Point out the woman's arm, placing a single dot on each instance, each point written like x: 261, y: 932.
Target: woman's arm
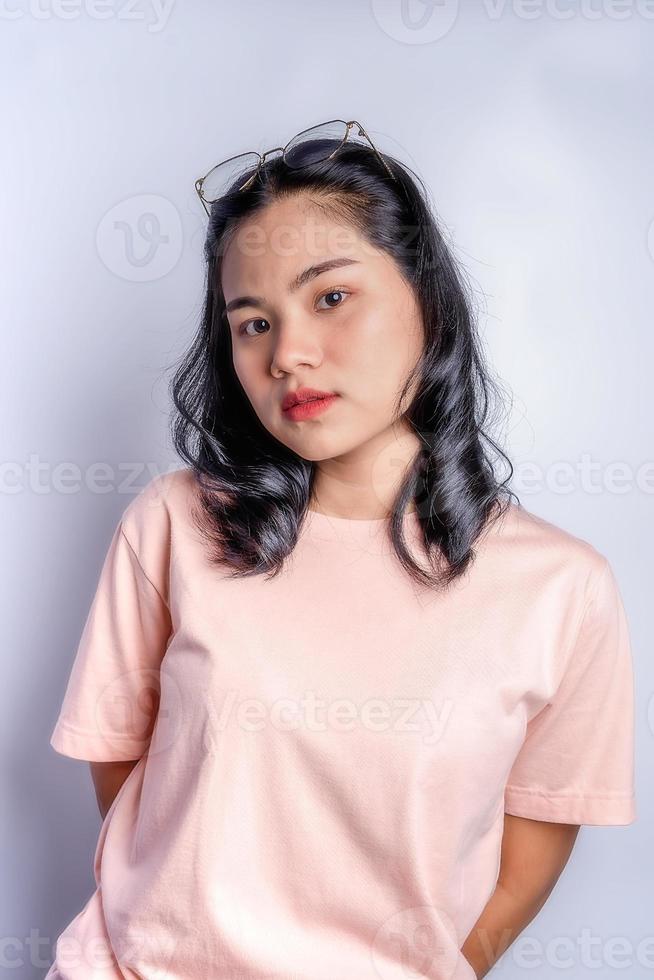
x: 534, y: 853
x: 108, y: 777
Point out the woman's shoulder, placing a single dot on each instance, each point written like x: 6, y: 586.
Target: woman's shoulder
x: 161, y: 495
x: 156, y: 515
x: 161, y: 498
x: 529, y: 543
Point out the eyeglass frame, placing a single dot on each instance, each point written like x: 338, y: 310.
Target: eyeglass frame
x: 353, y: 122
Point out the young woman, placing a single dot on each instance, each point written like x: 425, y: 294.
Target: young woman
x: 345, y: 700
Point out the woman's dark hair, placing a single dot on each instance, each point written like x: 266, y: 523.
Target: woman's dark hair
x: 254, y: 491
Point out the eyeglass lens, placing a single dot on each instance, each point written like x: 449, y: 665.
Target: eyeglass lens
x: 309, y: 146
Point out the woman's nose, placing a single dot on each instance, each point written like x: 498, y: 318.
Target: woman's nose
x: 295, y: 344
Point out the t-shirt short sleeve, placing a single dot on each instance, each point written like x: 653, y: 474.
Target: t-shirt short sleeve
x: 110, y: 704
x: 576, y: 764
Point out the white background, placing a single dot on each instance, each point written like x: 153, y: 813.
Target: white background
x: 531, y: 123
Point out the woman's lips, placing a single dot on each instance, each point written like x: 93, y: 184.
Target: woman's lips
x: 307, y: 410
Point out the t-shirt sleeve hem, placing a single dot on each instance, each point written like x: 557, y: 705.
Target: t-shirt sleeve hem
x: 91, y: 747
x: 596, y: 810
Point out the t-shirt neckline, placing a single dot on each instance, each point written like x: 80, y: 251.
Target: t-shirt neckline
x: 354, y: 525
x: 356, y: 520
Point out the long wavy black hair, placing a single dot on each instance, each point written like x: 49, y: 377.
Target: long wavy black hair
x: 253, y: 490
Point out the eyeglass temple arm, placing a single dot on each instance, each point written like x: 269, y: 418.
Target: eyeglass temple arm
x: 198, y: 190
x: 362, y: 132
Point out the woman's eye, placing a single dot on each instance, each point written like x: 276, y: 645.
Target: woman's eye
x: 331, y: 294
x: 250, y: 323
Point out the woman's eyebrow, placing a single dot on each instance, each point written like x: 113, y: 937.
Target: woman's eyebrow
x: 300, y: 280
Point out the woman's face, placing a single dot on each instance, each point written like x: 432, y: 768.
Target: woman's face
x: 353, y: 329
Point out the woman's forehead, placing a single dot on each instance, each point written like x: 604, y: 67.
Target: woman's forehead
x: 293, y: 237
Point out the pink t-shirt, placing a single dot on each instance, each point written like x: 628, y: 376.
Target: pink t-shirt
x: 326, y: 757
